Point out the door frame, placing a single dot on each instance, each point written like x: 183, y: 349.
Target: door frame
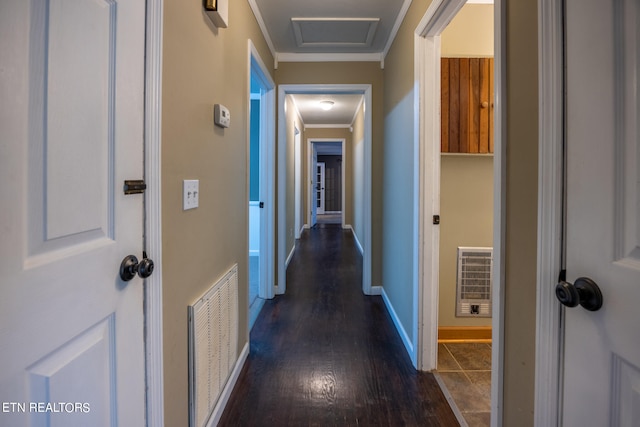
x: 257, y: 68
x: 312, y: 154
x: 154, y: 371
x: 297, y: 182
x: 283, y: 91
x: 549, y: 350
x: 427, y: 189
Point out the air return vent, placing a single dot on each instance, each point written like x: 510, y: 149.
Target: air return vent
x: 473, y: 298
x: 213, y: 343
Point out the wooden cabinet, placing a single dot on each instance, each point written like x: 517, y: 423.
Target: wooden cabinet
x: 467, y: 105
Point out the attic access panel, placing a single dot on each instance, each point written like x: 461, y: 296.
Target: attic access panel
x: 338, y: 32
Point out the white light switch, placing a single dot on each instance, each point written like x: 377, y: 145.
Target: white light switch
x: 190, y: 193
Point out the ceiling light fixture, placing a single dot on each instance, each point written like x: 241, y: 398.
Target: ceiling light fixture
x: 326, y: 105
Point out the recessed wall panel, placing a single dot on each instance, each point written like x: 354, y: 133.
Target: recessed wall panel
x: 78, y: 116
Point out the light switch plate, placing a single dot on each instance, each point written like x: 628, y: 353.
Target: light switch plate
x: 190, y: 194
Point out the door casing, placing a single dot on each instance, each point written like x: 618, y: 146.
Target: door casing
x: 309, y: 177
x: 258, y: 70
x: 548, y: 369
x: 153, y: 208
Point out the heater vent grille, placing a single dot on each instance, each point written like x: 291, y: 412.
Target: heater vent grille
x: 474, y: 282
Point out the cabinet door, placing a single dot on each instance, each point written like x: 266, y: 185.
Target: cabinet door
x: 467, y: 105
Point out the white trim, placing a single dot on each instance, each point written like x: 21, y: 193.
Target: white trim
x: 256, y: 66
x: 217, y: 412
x: 548, y: 368
x: 263, y: 27
x: 309, y: 177
x: 406, y: 339
x: 154, y: 371
x: 355, y: 237
x: 293, y: 249
x: 329, y: 57
x: 396, y: 26
x: 327, y: 126
x: 283, y: 90
x: 298, y: 162
x: 438, y: 16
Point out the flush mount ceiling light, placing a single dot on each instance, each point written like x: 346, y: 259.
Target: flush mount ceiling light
x: 326, y: 105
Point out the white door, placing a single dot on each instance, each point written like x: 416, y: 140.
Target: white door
x: 71, y: 131
x: 319, y: 189
x: 602, y: 348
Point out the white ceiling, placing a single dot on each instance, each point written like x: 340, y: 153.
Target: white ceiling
x: 341, y: 115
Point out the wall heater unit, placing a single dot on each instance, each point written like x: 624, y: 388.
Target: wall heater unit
x: 473, y: 296
x: 213, y: 343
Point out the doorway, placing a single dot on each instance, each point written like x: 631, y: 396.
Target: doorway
x: 327, y: 203
x: 428, y: 59
x: 260, y: 185
x: 362, y: 188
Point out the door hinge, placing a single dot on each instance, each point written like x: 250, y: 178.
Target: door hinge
x: 134, y: 186
x: 436, y: 219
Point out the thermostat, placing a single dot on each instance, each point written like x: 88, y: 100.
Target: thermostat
x: 221, y: 116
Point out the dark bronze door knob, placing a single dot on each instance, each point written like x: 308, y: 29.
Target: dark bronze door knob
x: 584, y: 292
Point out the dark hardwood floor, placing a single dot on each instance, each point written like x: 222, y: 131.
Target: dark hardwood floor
x: 324, y: 354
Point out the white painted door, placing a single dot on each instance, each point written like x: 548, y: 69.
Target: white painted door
x: 71, y: 131
x: 319, y: 189
x: 602, y: 348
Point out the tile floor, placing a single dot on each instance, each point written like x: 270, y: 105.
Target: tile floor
x: 465, y: 369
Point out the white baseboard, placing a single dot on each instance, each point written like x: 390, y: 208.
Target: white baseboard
x: 355, y: 236
x: 376, y: 290
x: 406, y: 340
x: 286, y: 263
x: 228, y: 388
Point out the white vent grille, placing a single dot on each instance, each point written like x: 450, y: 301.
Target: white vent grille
x: 474, y: 282
x: 213, y: 343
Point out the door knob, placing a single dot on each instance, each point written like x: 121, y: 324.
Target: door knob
x: 130, y: 266
x: 584, y: 292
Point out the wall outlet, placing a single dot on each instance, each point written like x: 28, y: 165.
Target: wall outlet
x: 190, y: 194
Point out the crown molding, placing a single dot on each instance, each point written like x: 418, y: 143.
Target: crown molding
x: 328, y: 57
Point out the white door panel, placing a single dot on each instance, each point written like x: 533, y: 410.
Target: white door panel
x: 602, y: 348
x: 71, y: 125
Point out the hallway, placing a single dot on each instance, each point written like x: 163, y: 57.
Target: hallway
x: 324, y: 354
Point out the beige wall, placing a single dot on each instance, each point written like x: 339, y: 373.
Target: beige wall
x: 470, y: 33
x: 351, y: 73
x: 466, y: 212
x: 202, y: 65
